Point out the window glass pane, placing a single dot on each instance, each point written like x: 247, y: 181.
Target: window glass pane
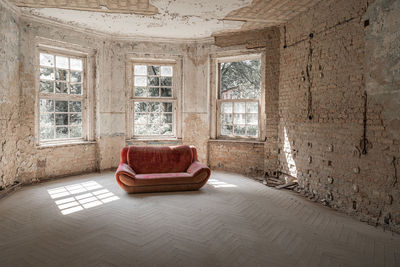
x: 154, y: 81
x: 154, y: 92
x: 75, y: 119
x: 46, y: 120
x: 154, y: 107
x: 166, y: 107
x: 75, y: 131
x: 252, y: 107
x: 153, y: 70
x: 166, y: 71
x: 62, y: 119
x: 47, y: 73
x: 252, y: 119
x: 46, y: 60
x: 75, y: 106
x: 140, y: 81
x: 140, y: 118
x: 239, y: 130
x: 61, y: 132
x: 166, y: 81
x: 252, y: 130
x: 46, y: 133
x: 140, y: 70
x: 166, y: 129
x: 153, y: 129
x: 76, y: 76
x: 167, y: 118
x: 226, y: 107
x: 239, y: 107
x: 155, y: 118
x: 46, y: 86
x: 62, y: 75
x: 62, y: 62
x: 61, y: 106
x: 76, y: 89
x: 140, y: 106
x: 239, y: 119
x: 140, y: 91
x: 166, y: 92
x: 76, y: 64
x: 61, y: 87
x: 240, y: 79
x: 226, y: 119
x: 46, y: 105
x: 226, y: 129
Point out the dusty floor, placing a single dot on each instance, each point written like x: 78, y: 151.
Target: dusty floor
x: 232, y: 221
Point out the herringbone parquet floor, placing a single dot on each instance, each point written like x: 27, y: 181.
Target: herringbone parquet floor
x: 232, y: 221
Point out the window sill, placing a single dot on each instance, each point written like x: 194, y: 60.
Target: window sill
x: 64, y: 144
x: 154, y: 140
x: 236, y: 141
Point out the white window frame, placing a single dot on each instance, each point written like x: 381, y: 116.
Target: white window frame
x: 175, y: 61
x: 87, y: 55
x: 215, y: 96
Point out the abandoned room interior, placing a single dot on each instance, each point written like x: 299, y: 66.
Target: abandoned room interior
x: 200, y: 133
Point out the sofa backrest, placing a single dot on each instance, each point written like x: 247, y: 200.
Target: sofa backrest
x: 148, y: 159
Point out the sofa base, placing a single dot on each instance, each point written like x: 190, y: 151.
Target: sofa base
x: 161, y: 187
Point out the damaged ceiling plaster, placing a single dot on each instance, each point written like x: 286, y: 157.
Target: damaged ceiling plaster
x: 186, y: 19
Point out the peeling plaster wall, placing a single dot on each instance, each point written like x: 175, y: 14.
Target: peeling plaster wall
x: 110, y: 103
x: 45, y: 162
x: 110, y: 108
x: 383, y: 60
x: 325, y: 77
x: 9, y: 94
x: 113, y: 99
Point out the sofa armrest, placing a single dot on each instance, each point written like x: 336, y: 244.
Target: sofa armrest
x: 196, y: 167
x: 124, y: 168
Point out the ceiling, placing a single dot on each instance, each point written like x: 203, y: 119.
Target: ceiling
x: 186, y: 19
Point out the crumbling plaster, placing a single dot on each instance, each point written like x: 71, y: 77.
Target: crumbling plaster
x: 176, y: 19
x: 9, y: 94
x: 37, y: 163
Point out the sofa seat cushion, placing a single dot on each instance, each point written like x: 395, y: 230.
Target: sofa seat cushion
x: 144, y: 160
x: 161, y: 179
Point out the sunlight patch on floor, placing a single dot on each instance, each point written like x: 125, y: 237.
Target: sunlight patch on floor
x: 93, y: 195
x: 217, y: 184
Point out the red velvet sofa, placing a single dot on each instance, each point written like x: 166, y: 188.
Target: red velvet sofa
x: 157, y: 169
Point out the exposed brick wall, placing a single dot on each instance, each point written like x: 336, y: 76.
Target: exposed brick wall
x: 324, y: 77
x: 238, y: 157
x: 272, y: 53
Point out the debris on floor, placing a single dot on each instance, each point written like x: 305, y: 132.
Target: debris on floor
x: 285, y: 181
